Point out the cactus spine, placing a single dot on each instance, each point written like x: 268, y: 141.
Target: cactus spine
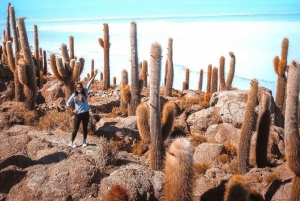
x: 237, y: 189
x: 169, y: 69
x: 187, y: 78
x: 231, y: 71
x: 157, y: 150
x: 104, y: 43
x: 30, y: 89
x: 178, y: 185
x: 247, y: 128
x: 291, y: 132
x: 200, y: 81
x: 135, y: 92
x: 214, y: 80
x: 208, y: 85
x: 263, y: 128
x: 144, y: 73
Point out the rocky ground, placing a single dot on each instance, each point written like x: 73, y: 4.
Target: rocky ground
x: 37, y: 164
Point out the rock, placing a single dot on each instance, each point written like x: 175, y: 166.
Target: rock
x: 51, y: 91
x: 202, y: 119
x: 140, y: 181
x: 219, y: 99
x: 208, y: 153
x: 232, y: 112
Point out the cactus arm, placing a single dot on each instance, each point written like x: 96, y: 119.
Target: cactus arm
x: 54, y: 67
x: 169, y: 69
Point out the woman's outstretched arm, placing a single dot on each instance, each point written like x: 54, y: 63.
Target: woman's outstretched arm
x: 91, y: 80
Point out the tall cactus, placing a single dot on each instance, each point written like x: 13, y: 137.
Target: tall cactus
x: 28, y: 70
x: 231, y: 71
x: 214, y: 80
x: 291, y: 130
x: 167, y: 121
x: 237, y: 189
x: 142, y: 118
x: 200, y: 81
x: 45, y: 69
x: 36, y: 55
x: 187, y: 78
x: 263, y: 128
x: 124, y: 82
x: 247, y: 128
x: 178, y: 180
x: 208, y: 82
x: 157, y: 150
x: 222, y: 73
x: 8, y: 24
x: 135, y: 92
x: 170, y: 69
x: 280, y: 66
x: 14, y: 29
x: 104, y: 43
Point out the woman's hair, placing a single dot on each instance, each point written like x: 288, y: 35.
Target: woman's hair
x: 83, y: 95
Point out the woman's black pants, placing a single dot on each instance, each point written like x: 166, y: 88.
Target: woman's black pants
x: 84, y: 118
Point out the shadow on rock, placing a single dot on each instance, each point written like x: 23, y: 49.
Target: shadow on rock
x: 22, y: 161
x: 9, y: 178
x: 274, y: 187
x: 215, y: 194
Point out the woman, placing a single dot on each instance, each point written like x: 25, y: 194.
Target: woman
x: 81, y: 110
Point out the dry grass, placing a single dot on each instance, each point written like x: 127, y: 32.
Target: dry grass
x: 107, y: 155
x: 204, y: 105
x: 224, y: 158
x: 18, y: 114
x: 54, y: 119
x: 197, y: 139
x: 255, y: 194
x: 271, y: 177
x: 117, y: 193
x: 230, y: 149
x: 193, y: 100
x: 139, y: 148
x: 201, y: 168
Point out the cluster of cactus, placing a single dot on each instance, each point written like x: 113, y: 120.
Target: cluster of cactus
x: 280, y: 67
x: 66, y: 70
x: 104, y: 43
x: 247, y: 127
x: 228, y: 84
x: 291, y: 130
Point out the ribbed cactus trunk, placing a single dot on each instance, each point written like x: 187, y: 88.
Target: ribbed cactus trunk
x: 135, y: 92
x: 187, y: 78
x: 30, y: 89
x: 291, y: 130
x: 200, y: 83
x: 104, y: 43
x: 8, y: 25
x: 144, y: 73
x: 170, y: 69
x: 124, y: 82
x: 263, y: 129
x: 247, y: 128
x: 45, y: 63
x: 157, y: 147
x: 37, y: 55
x: 208, y: 82
x: 92, y: 69
x: 166, y: 72
x: 71, y: 44
x: 101, y: 76
x: 231, y: 71
x: 19, y: 94
x: 222, y: 73
x: 280, y: 66
x: 214, y: 80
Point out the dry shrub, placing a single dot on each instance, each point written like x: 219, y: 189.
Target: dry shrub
x: 107, y: 155
x: 182, y: 98
x: 18, y: 114
x: 204, y: 102
x: 201, y: 168
x: 147, y: 94
x: 271, y: 177
x: 233, y: 167
x: 139, y: 148
x: 117, y: 193
x: 184, y: 105
x: 224, y: 158
x: 54, y: 119
x: 193, y: 100
x: 230, y: 149
x: 197, y: 139
x: 174, y: 93
x: 204, y: 105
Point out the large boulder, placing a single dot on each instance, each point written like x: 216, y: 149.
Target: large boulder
x: 141, y: 182
x: 208, y: 153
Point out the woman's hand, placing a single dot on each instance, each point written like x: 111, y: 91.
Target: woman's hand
x: 75, y: 111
